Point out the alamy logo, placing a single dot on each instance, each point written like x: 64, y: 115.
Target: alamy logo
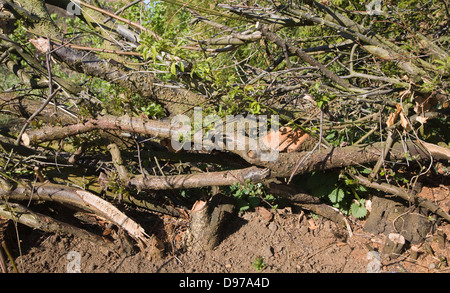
x: 74, y: 265
x: 375, y: 265
x: 74, y: 7
x: 374, y: 7
x: 235, y: 133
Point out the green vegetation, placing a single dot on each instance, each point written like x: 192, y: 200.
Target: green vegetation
x: 335, y: 69
x: 259, y: 264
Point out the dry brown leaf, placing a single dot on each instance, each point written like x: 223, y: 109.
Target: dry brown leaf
x: 421, y: 119
x: 393, y: 116
x: 41, y: 44
x: 403, y: 121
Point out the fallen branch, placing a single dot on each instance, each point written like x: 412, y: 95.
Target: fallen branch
x: 222, y: 178
x: 25, y: 216
x: 125, y: 123
x: 84, y: 200
x: 337, y: 158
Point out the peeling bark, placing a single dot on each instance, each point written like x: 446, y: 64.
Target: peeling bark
x: 84, y: 200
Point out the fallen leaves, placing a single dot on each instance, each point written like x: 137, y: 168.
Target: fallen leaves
x: 394, y: 116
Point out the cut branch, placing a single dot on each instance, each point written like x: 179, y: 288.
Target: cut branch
x: 337, y: 158
x: 223, y: 178
x: 45, y: 223
x: 84, y: 200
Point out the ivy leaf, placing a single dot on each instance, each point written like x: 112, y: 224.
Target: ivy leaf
x: 358, y: 209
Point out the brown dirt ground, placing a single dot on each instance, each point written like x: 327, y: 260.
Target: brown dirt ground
x: 290, y: 242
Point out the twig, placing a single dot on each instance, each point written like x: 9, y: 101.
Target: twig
x: 384, y: 153
x: 127, y: 21
x: 11, y: 259
x: 303, y: 159
x: 122, y: 9
x: 51, y: 95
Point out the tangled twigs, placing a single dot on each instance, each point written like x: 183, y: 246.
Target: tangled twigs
x: 305, y: 57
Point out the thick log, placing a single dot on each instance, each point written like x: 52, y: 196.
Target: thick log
x: 338, y: 158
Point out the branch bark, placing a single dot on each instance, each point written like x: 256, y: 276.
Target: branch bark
x: 336, y: 158
x: 125, y: 123
x: 223, y: 178
x: 45, y: 223
x: 84, y: 200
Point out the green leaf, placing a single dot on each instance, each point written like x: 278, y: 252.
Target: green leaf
x: 154, y: 53
x: 322, y: 184
x: 337, y: 195
x: 358, y: 209
x: 254, y: 201
x: 242, y: 204
x: 361, y: 188
x: 173, y: 68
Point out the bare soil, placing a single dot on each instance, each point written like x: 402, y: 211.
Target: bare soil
x: 291, y: 241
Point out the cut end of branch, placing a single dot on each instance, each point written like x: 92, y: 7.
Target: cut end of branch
x: 26, y: 139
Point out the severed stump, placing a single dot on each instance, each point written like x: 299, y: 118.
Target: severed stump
x: 206, y: 223
x: 393, y: 245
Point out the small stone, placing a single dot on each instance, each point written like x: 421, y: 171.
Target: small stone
x: 273, y: 227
